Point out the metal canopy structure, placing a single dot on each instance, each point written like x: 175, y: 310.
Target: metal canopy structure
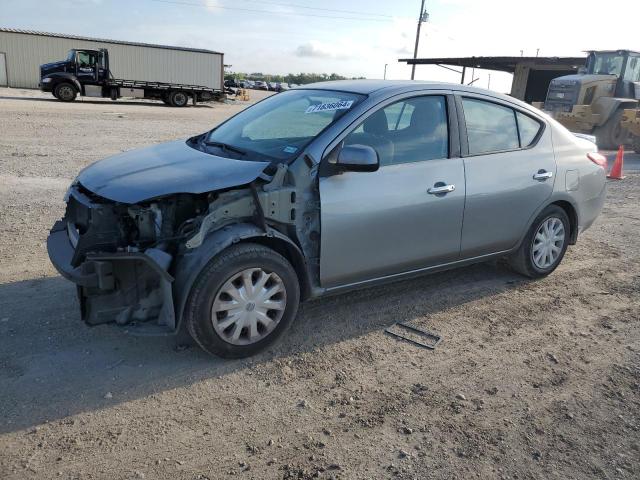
x: 502, y: 64
x: 531, y: 75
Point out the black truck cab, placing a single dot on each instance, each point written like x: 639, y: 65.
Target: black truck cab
x: 80, y: 68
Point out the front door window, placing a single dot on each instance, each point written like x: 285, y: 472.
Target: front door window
x: 411, y: 130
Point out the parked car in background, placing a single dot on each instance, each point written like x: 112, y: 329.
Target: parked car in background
x: 272, y: 86
x: 261, y: 85
x: 231, y: 84
x: 246, y: 83
x: 280, y: 87
x: 319, y: 190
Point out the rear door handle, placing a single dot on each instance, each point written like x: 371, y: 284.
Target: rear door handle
x: 441, y: 189
x: 542, y: 175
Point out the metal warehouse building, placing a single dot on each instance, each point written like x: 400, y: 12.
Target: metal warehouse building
x: 23, y: 51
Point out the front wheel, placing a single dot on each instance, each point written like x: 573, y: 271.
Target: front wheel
x: 544, y: 246
x: 611, y: 135
x: 65, y: 92
x: 242, y: 301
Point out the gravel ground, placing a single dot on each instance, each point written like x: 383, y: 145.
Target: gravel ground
x: 534, y: 379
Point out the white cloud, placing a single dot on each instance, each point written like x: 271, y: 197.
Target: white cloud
x: 212, y: 5
x: 316, y: 49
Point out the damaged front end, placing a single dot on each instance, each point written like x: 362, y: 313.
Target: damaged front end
x: 140, y: 226
x: 119, y: 255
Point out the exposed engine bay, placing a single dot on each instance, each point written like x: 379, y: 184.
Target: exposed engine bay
x: 125, y: 258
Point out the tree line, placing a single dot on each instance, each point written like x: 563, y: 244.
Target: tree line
x: 299, y: 78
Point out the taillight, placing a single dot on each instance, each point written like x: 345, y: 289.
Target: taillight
x: 598, y: 159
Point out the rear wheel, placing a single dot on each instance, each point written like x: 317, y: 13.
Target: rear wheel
x: 242, y: 301
x: 65, y: 92
x: 178, y: 99
x: 544, y: 246
x: 611, y: 135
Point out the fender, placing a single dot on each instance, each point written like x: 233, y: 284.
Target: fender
x: 554, y: 198
x: 607, y: 106
x: 58, y: 77
x: 191, y: 263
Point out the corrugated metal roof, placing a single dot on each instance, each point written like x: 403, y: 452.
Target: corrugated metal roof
x: 505, y: 64
x: 104, y: 40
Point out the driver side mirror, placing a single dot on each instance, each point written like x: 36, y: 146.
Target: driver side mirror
x: 358, y: 158
x: 582, y: 71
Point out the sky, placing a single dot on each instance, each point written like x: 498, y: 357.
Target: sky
x: 348, y: 37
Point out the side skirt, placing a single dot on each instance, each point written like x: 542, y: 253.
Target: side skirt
x: 411, y: 274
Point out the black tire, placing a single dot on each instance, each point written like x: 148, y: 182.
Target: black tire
x: 65, y: 92
x: 522, y: 261
x: 611, y: 135
x: 178, y: 99
x: 211, y: 279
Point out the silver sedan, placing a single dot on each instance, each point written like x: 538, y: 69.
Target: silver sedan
x: 319, y: 190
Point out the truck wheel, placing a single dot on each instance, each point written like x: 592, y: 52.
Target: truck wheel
x: 242, y: 301
x: 178, y: 99
x: 611, y: 135
x: 65, y: 92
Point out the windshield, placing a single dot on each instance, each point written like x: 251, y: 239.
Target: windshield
x: 606, y: 64
x: 279, y: 127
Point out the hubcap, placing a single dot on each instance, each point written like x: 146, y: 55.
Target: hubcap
x: 248, y: 306
x: 180, y: 98
x: 547, y: 243
x: 65, y: 92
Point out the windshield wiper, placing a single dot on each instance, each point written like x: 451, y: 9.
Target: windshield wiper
x: 225, y: 147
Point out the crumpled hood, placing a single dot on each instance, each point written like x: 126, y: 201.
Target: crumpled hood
x: 165, y: 169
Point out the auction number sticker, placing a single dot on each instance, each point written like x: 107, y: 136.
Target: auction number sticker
x: 328, y: 107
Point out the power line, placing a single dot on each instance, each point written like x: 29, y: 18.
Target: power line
x: 268, y: 12
x: 297, y: 5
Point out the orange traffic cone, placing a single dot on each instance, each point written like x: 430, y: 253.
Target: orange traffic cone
x: 616, y: 171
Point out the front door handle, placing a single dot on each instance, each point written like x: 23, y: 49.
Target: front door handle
x: 441, y: 188
x: 542, y: 175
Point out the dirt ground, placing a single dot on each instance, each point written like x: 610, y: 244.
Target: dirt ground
x: 534, y: 379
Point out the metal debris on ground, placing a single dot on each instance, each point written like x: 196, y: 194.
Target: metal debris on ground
x: 408, y: 332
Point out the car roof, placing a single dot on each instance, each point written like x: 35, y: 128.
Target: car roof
x: 367, y: 87
x: 394, y: 87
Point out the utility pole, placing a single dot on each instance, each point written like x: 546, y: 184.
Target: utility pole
x: 423, y: 17
x: 385, y: 71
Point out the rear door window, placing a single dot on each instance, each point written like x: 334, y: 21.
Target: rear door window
x: 528, y: 128
x: 490, y: 127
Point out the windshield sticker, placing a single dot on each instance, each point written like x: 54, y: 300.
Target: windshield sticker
x: 328, y: 107
x: 289, y: 149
